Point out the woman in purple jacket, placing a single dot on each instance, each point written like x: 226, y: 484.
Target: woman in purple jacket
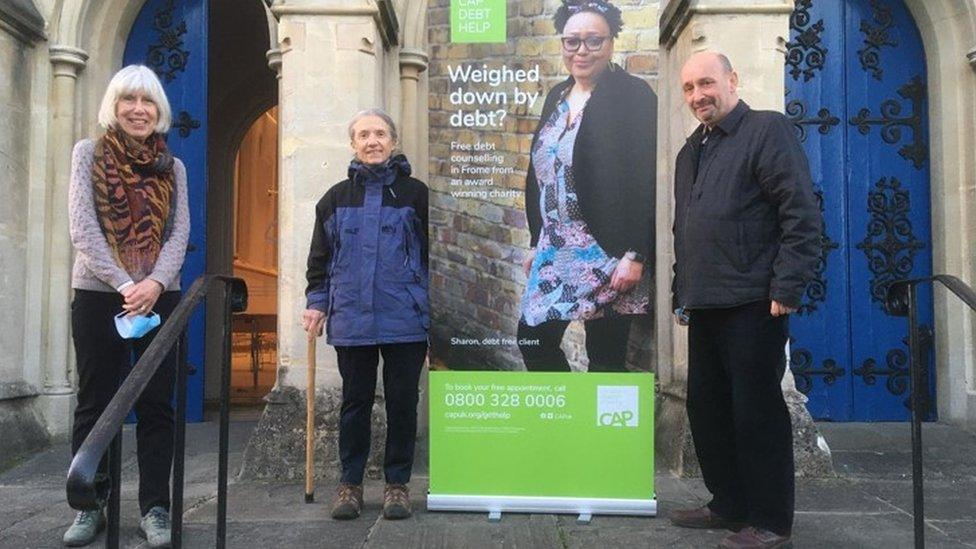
x: 367, y: 284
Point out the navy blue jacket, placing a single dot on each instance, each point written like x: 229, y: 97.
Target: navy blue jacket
x: 367, y: 266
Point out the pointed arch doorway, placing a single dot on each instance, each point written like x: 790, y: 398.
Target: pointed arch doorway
x: 256, y: 260
x: 857, y: 93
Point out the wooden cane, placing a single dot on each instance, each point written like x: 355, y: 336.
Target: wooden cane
x: 310, y: 421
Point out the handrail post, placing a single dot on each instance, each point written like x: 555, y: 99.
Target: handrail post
x: 115, y: 471
x: 114, y: 494
x: 179, y: 443
x: 224, y: 420
x: 918, y: 386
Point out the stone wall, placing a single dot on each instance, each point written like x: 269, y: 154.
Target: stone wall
x: 14, y: 183
x: 22, y: 429
x: 478, y: 243
x: 752, y: 33
x: 335, y: 62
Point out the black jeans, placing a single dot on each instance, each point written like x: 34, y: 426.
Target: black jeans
x: 402, y: 364
x: 103, y: 361
x: 606, y: 345
x: 739, y: 420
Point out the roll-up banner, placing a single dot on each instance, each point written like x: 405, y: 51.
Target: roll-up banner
x: 542, y: 169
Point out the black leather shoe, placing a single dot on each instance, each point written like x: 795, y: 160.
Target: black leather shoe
x: 755, y: 538
x: 704, y: 518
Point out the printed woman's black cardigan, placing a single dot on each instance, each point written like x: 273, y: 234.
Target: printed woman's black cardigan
x: 614, y: 163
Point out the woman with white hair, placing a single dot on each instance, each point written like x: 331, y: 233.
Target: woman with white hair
x: 367, y: 284
x: 129, y: 223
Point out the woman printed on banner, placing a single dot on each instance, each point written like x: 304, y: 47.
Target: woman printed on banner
x: 589, y: 199
x: 129, y: 222
x: 367, y: 284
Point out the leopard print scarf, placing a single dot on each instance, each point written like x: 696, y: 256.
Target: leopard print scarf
x: 133, y: 189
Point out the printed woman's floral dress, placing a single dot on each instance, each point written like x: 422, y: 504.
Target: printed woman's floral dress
x: 570, y: 275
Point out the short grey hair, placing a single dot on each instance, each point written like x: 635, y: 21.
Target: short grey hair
x: 379, y: 113
x: 726, y: 64
x: 135, y: 79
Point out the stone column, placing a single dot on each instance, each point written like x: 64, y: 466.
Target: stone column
x: 753, y: 34
x: 412, y: 63
x: 274, y: 63
x: 57, y: 393
x: 329, y: 70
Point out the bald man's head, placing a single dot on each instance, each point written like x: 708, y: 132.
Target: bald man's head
x: 709, y: 84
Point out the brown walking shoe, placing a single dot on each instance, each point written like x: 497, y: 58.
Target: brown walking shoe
x: 348, y: 502
x: 755, y: 538
x: 396, y: 502
x: 703, y: 517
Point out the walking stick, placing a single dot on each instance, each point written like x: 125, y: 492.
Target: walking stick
x: 310, y: 421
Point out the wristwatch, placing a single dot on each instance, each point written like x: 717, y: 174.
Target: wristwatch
x: 634, y: 256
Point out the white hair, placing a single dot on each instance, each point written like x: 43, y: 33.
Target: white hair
x: 379, y: 113
x: 135, y: 79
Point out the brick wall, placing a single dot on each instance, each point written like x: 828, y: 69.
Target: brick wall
x: 477, y: 243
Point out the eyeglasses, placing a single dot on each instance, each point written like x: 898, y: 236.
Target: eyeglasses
x: 571, y: 44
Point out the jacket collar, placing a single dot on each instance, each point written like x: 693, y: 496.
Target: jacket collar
x: 726, y: 126
x: 397, y: 166
x: 732, y: 119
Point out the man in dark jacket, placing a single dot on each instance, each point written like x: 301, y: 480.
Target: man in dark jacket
x: 746, y: 236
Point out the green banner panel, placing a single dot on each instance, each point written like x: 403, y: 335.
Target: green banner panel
x: 478, y: 21
x: 541, y: 434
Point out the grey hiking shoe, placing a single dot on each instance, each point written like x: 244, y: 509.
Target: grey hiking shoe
x: 155, y: 527
x: 396, y: 502
x: 85, y: 528
x: 348, y: 502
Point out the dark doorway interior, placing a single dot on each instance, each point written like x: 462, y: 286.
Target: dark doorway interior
x: 243, y: 92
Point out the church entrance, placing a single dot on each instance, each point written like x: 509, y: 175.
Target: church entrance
x: 211, y: 58
x: 857, y: 94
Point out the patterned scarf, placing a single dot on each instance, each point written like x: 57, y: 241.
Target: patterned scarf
x: 133, y: 188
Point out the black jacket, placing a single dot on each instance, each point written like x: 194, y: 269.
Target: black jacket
x: 747, y: 224
x: 614, y: 163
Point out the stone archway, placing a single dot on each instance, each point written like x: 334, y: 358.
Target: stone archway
x: 241, y: 88
x: 87, y: 42
x: 947, y: 30
x: 86, y: 46
x: 413, y: 79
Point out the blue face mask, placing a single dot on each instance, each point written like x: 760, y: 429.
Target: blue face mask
x: 134, y: 327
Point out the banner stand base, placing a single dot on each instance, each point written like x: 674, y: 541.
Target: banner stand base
x: 584, y: 507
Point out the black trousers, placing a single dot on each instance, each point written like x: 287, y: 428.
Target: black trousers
x: 739, y: 420
x: 103, y: 362
x: 402, y: 364
x: 606, y: 345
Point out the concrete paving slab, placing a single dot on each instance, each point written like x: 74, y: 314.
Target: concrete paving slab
x: 884, y: 451
x: 837, y: 496
x: 634, y: 532
x: 961, y: 531
x: 450, y: 530
x: 944, y: 500
x: 272, y: 534
x: 845, y: 530
x: 867, y: 505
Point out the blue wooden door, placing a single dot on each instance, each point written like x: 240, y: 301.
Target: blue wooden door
x: 170, y: 37
x: 856, y: 92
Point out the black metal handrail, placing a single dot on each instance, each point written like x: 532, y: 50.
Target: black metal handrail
x: 82, y: 493
x: 902, y: 300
